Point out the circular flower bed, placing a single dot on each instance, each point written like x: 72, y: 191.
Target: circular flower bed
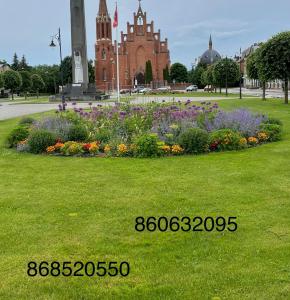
x: 144, y: 131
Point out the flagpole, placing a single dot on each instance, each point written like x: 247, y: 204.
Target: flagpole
x: 118, y: 67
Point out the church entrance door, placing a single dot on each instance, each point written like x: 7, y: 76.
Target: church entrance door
x: 140, y: 78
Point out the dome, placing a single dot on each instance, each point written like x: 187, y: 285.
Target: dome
x: 210, y: 56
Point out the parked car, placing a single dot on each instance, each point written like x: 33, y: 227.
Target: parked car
x: 209, y: 88
x: 125, y: 91
x: 145, y: 91
x: 138, y: 89
x: 164, y: 89
x: 192, y: 88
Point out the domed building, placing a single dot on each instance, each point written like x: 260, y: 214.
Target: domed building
x: 210, y: 56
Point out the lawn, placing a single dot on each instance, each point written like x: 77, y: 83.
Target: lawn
x: 77, y: 209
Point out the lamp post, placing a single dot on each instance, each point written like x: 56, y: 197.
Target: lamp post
x: 57, y: 37
x: 227, y: 70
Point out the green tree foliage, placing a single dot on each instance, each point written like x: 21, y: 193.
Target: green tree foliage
x: 50, y: 76
x: 26, y: 82
x: 196, y: 74
x: 226, y: 72
x: 1, y: 81
x: 207, y: 77
x: 166, y: 74
x: 91, y: 69
x: 148, y: 72
x: 274, y: 60
x: 66, y: 68
x: 23, y: 66
x: 253, y: 70
x: 37, y: 83
x: 15, y: 63
x: 12, y: 81
x: 178, y: 73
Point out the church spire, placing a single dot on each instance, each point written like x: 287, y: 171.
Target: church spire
x: 103, y: 9
x: 140, y: 8
x: 210, y: 43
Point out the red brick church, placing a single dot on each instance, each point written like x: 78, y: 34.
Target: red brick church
x: 139, y: 45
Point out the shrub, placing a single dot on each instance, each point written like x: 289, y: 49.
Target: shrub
x: 72, y: 148
x: 273, y: 121
x: 78, y: 133
x: 40, y: 140
x: 225, y: 140
x: 147, y: 146
x: 26, y: 121
x: 57, y: 125
x: 17, y: 135
x: 194, y: 141
x: 274, y: 131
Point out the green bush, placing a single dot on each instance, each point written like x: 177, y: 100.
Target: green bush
x: 26, y: 121
x: 17, y: 135
x: 78, y: 133
x: 39, y: 140
x: 102, y: 136
x: 226, y: 140
x: 274, y: 131
x: 147, y: 146
x: 194, y: 141
x: 274, y: 121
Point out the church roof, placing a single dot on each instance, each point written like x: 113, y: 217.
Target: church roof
x: 103, y: 9
x: 210, y: 56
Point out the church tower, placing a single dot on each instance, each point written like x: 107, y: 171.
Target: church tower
x: 104, y: 48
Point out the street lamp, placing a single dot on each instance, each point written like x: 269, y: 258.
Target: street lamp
x: 57, y: 38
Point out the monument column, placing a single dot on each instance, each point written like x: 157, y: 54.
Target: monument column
x: 79, y: 43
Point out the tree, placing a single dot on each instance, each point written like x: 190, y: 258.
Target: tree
x: 37, y: 83
x: 253, y: 70
x: 12, y: 81
x: 15, y: 63
x: 274, y: 60
x: 148, y: 72
x: 178, y: 73
x: 1, y: 81
x: 26, y: 82
x: 207, y: 77
x: 166, y: 74
x: 91, y: 71
x: 23, y: 66
x: 66, y: 68
x: 195, y: 75
x: 226, y: 71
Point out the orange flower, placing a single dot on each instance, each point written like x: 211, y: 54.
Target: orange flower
x: 58, y: 146
x: 107, y: 149
x: 122, y: 149
x: 50, y: 149
x: 176, y: 149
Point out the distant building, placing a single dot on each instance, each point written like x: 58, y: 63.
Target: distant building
x: 253, y: 83
x: 210, y: 56
x: 137, y: 46
x: 4, y: 67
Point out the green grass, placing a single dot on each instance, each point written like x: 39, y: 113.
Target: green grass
x: 55, y: 208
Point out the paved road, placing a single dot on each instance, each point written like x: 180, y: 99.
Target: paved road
x: 8, y: 110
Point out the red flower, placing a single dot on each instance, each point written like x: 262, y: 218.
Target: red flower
x: 86, y: 147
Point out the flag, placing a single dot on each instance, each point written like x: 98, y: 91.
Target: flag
x: 116, y: 19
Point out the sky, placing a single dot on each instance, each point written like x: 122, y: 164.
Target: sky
x: 26, y: 26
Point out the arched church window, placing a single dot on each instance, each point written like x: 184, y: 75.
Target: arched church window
x: 149, y: 29
x: 156, y: 37
x: 104, y: 75
x: 104, y: 54
x: 140, y: 21
x: 132, y: 29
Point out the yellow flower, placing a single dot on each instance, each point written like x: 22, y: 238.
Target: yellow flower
x: 50, y: 149
x: 122, y: 149
x: 107, y: 148
x: 252, y: 140
x: 24, y: 142
x: 166, y: 149
x: 263, y: 136
x: 94, y: 148
x: 176, y: 149
x: 243, y: 141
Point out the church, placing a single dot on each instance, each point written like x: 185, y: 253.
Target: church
x: 137, y: 46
